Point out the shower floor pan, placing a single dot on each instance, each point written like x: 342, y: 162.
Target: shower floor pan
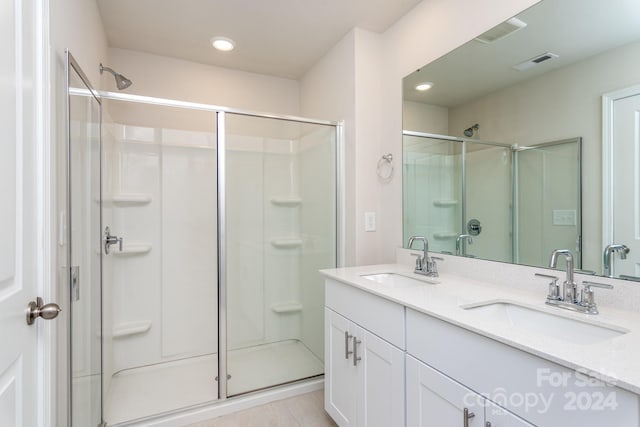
x: 151, y: 390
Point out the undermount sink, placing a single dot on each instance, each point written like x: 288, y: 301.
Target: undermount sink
x: 394, y: 280
x: 544, y: 323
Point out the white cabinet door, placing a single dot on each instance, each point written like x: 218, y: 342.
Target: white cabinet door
x: 381, y: 400
x: 341, y: 377
x: 495, y: 416
x: 20, y: 196
x: 436, y: 400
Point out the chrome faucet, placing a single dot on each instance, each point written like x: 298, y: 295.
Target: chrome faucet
x: 425, y: 264
x: 567, y: 297
x: 569, y: 287
x: 609, y: 250
x: 460, y: 248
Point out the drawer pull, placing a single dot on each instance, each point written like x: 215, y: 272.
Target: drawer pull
x: 467, y: 416
x: 347, y: 337
x: 356, y: 358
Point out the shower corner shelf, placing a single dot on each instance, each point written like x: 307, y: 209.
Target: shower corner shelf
x: 287, y: 307
x: 131, y: 328
x: 133, y: 249
x: 131, y: 198
x: 288, y: 201
x: 286, y: 243
x: 444, y: 203
x: 446, y: 235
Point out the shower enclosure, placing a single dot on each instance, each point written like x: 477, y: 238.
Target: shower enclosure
x: 516, y: 203
x: 221, y: 220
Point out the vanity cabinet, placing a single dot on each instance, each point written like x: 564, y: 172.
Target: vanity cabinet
x: 434, y: 399
x: 535, y: 389
x: 364, y: 373
x: 379, y: 353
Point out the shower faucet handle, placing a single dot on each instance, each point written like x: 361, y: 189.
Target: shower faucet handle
x: 111, y: 240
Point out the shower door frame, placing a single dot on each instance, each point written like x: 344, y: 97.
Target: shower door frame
x: 220, y: 113
x: 71, y: 65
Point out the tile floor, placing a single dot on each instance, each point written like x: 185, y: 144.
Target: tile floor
x: 306, y: 410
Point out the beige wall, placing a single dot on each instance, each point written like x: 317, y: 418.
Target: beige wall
x: 328, y: 90
x: 171, y: 78
x: 426, y: 118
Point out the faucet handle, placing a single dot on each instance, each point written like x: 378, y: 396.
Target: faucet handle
x: 419, y: 261
x: 586, y: 297
x: 554, y: 288
x: 589, y: 285
x: 437, y: 258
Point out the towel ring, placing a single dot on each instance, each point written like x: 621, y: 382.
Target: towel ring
x: 384, y: 168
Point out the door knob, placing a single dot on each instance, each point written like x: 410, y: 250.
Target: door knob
x: 37, y: 309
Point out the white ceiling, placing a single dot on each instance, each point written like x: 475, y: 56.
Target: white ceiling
x: 276, y: 37
x: 573, y: 29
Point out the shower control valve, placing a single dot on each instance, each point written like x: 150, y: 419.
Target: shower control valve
x: 111, y: 240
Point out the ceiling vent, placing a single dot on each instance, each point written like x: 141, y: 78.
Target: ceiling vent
x: 536, y: 60
x: 501, y: 31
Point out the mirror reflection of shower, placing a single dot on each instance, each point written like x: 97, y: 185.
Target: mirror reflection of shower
x: 468, y: 132
x: 121, y: 81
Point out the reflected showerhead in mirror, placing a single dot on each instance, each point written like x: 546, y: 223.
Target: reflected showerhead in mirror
x: 468, y: 132
x: 121, y: 81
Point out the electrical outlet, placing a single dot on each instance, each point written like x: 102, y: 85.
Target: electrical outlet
x: 369, y: 221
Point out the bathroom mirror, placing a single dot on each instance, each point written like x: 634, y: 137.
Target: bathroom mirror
x: 524, y: 140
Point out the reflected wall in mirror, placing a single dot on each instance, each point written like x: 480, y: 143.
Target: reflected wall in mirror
x: 495, y: 103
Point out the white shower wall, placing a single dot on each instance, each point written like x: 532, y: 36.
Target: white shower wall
x: 161, y: 301
x: 161, y: 287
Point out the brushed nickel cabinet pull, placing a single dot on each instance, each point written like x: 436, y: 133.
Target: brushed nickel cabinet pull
x: 467, y: 416
x: 356, y: 358
x: 347, y: 337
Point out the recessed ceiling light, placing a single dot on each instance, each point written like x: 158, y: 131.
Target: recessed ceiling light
x: 223, y: 44
x: 424, y: 86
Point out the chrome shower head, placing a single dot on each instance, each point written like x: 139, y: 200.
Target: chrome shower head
x: 121, y: 81
x: 468, y: 132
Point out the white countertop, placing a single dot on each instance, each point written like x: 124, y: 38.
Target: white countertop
x: 616, y: 360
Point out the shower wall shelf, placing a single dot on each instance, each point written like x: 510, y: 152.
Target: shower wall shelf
x: 445, y: 203
x: 286, y: 243
x: 289, y: 201
x: 131, y: 328
x: 446, y: 235
x: 133, y: 249
x: 287, y: 307
x: 131, y: 198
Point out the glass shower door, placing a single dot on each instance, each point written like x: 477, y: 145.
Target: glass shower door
x: 84, y: 250
x: 488, y: 194
x: 280, y: 228
x: 432, y: 190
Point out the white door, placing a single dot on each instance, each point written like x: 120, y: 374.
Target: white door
x: 20, y: 207
x: 382, y: 395
x: 341, y: 377
x: 436, y: 400
x: 626, y: 184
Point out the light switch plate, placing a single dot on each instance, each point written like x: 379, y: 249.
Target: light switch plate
x: 564, y: 217
x: 369, y: 221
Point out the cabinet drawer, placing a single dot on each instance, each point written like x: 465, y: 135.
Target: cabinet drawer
x: 380, y: 316
x: 543, y: 392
